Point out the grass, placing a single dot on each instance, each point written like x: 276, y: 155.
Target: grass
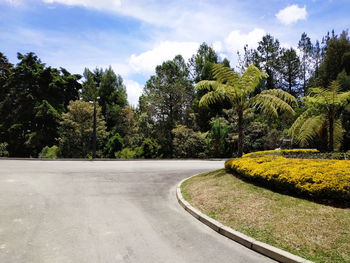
x: 314, y: 231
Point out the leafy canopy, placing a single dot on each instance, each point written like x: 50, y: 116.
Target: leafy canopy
x: 239, y: 89
x: 322, y: 105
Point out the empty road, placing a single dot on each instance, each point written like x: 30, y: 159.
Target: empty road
x: 105, y: 211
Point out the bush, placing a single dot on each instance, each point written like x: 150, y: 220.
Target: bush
x: 128, y: 153
x: 50, y: 152
x: 188, y: 143
x: 114, y: 144
x: 303, y: 153
x: 150, y: 148
x: 316, y: 178
x: 290, y: 152
x: 3, y: 149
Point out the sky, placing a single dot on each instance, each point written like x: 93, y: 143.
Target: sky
x: 134, y: 36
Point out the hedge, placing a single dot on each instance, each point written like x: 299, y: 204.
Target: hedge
x: 316, y: 178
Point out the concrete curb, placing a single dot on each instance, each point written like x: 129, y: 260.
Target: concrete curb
x: 249, y: 242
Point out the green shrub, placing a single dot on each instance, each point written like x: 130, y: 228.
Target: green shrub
x: 3, y: 149
x: 128, y: 153
x: 188, y: 143
x: 150, y: 148
x: 114, y: 144
x: 50, y: 152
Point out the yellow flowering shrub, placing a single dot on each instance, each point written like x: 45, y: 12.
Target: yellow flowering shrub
x: 321, y: 178
x: 281, y: 152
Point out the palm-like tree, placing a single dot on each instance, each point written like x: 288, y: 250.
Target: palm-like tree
x: 324, y: 108
x: 239, y: 89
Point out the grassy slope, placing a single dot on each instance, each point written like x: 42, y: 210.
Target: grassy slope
x: 317, y: 232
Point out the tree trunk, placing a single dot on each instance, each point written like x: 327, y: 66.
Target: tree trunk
x: 240, y: 133
x: 331, y: 132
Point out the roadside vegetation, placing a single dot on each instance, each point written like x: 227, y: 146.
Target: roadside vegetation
x: 197, y: 108
x: 311, y: 230
x: 320, y: 179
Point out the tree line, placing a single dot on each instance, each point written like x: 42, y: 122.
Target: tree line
x: 287, y: 98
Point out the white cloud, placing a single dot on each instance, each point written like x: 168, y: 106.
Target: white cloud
x: 100, y: 4
x: 236, y: 40
x: 146, y: 62
x: 183, y: 20
x: 12, y: 2
x: 134, y: 91
x: 291, y: 14
x: 217, y: 46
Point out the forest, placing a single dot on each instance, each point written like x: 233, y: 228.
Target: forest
x: 274, y: 97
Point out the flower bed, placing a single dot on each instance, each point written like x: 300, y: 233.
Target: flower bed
x: 316, y: 178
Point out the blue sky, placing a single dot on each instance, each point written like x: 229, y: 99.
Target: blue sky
x: 133, y: 36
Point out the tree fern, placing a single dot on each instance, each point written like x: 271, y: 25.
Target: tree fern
x: 324, y: 109
x: 236, y: 88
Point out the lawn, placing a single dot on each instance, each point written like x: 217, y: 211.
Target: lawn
x: 314, y: 231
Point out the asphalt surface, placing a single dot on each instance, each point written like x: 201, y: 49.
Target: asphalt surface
x: 111, y: 211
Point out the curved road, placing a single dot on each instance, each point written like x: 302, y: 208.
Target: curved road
x: 105, y: 211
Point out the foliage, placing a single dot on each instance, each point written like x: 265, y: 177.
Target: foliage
x: 113, y: 145
x: 52, y: 152
x: 188, y: 143
x: 217, y: 136
x: 281, y: 152
x: 316, y: 178
x: 3, y: 149
x: 266, y: 57
x: 166, y: 99
x: 334, y: 61
x: 108, y: 89
x: 289, y: 69
x: 76, y: 129
x: 324, y: 108
x: 150, y: 149
x: 33, y: 99
x: 305, y: 47
x: 200, y: 63
x: 127, y: 153
x: 238, y: 89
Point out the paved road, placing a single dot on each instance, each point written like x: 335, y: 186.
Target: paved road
x: 81, y: 211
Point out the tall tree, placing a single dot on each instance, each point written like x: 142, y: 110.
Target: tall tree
x: 5, y: 70
x: 290, y: 65
x: 238, y: 89
x: 200, y: 69
x: 324, y: 109
x: 110, y: 90
x: 35, y: 97
x: 200, y: 63
x: 267, y: 56
x: 305, y: 47
x: 76, y: 129
x: 249, y: 57
x: 167, y: 97
x: 334, y: 58
x: 317, y: 57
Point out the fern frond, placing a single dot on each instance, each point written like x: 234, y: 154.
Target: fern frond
x: 251, y: 79
x: 344, y: 98
x: 224, y: 74
x: 295, y: 128
x: 338, y: 132
x: 206, y: 85
x: 271, y: 104
x: 283, y: 95
x: 211, y: 97
x: 310, y: 129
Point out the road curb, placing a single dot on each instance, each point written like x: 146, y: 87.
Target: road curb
x: 249, y: 242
